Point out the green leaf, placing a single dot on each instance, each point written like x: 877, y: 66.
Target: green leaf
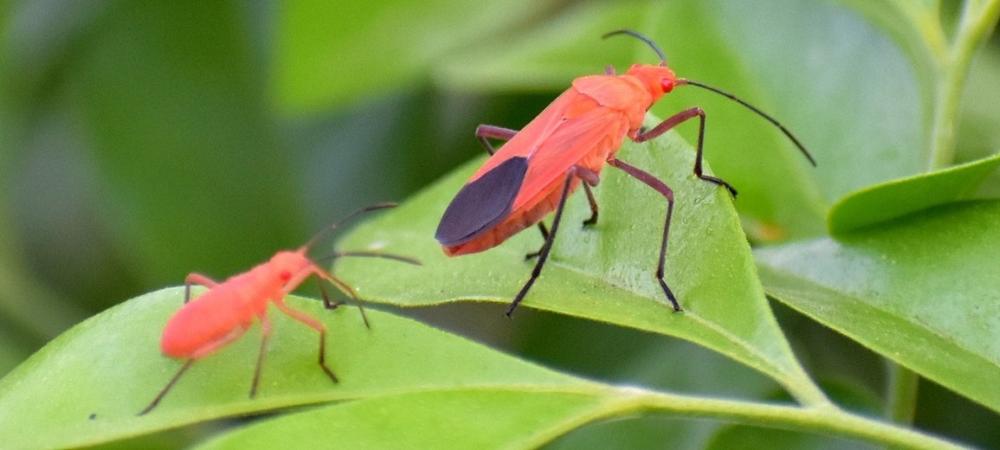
x: 329, y: 54
x: 444, y: 419
x: 85, y: 387
x: 921, y: 291
x: 897, y: 198
x: 603, y: 273
x: 732, y: 45
x: 523, y: 418
x: 110, y: 366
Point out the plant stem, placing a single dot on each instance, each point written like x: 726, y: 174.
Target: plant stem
x: 829, y: 419
x: 901, y: 402
x: 978, y: 18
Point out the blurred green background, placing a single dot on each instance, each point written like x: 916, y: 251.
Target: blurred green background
x: 145, y: 140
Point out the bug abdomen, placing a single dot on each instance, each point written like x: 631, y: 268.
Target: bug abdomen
x: 205, y: 321
x: 529, y: 211
x: 513, y: 224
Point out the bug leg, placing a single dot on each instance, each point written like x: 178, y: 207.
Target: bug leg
x: 205, y: 350
x: 588, y: 177
x: 347, y: 289
x: 486, y: 132
x: 589, y: 222
x: 196, y: 278
x: 545, y: 237
x: 310, y: 322
x: 265, y: 334
x: 593, y: 206
x: 170, y: 385
x: 609, y: 69
x: 327, y: 303
x: 677, y: 119
x: 664, y: 190
x: 543, y: 229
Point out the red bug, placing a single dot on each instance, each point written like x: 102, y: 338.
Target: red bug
x: 224, y: 312
x: 571, y: 141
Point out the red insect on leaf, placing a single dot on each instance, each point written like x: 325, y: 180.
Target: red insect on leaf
x: 229, y: 308
x: 569, y: 142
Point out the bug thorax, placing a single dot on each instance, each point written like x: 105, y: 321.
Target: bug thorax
x: 286, y: 264
x: 658, y: 80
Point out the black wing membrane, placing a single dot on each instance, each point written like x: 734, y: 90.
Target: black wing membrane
x: 482, y: 203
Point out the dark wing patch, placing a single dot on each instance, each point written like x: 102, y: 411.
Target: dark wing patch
x: 482, y: 203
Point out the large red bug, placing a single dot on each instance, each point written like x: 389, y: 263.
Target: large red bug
x: 571, y: 140
x: 224, y: 312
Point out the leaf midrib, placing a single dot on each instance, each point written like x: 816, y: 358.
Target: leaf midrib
x: 764, y: 363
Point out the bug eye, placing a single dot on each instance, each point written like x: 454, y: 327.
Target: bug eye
x: 667, y: 84
x: 285, y: 275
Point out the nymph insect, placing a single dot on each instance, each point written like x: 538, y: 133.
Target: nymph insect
x: 224, y: 312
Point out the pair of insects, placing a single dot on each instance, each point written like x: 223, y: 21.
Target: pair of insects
x: 529, y: 177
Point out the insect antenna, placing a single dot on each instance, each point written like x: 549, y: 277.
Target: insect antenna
x: 767, y: 117
x: 331, y: 228
x: 637, y: 35
x: 368, y: 254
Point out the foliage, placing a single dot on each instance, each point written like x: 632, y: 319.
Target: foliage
x: 168, y: 150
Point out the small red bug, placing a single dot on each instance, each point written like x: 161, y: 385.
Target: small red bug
x: 224, y: 312
x: 571, y: 140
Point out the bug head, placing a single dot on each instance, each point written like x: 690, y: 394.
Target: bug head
x: 658, y: 79
x: 287, y: 264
